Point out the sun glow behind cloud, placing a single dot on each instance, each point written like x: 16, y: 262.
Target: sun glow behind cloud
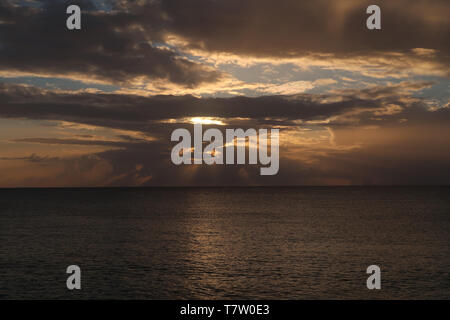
x: 207, y: 121
x: 198, y: 120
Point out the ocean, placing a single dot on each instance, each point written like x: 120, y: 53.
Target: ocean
x: 225, y: 243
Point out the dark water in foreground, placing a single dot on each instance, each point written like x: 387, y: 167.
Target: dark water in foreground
x: 225, y: 243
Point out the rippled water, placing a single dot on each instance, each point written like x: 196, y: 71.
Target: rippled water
x: 222, y: 243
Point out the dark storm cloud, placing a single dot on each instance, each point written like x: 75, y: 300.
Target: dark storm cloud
x: 123, y: 42
x: 291, y: 27
x: 140, y: 113
x: 115, y: 46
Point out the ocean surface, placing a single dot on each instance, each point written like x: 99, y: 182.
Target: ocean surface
x: 225, y: 243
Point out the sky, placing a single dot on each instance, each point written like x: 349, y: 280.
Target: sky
x: 97, y: 106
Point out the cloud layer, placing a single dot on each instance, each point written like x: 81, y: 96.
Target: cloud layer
x: 353, y: 106
x: 377, y: 135
x: 116, y: 47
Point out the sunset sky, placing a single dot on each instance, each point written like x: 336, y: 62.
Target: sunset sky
x: 97, y: 106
